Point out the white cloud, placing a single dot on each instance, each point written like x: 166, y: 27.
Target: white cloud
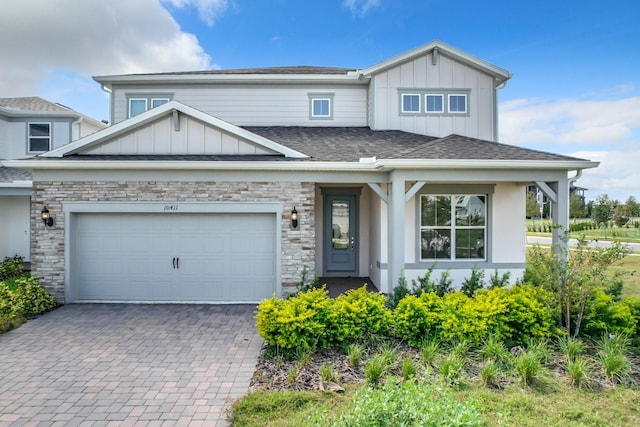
x: 208, y: 10
x: 569, y: 122
x: 606, y: 131
x: 360, y: 8
x: 90, y: 37
x: 618, y: 174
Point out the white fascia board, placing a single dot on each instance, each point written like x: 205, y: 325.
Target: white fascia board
x: 15, y: 184
x: 502, y: 74
x: 486, y: 164
x: 109, y: 81
x: 41, y: 164
x: 44, y: 114
x: 380, y: 165
x: 155, y: 113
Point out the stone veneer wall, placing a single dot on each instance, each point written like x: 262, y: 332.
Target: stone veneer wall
x: 47, y: 243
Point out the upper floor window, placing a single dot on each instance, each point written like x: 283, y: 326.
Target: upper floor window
x: 39, y: 137
x: 442, y: 102
x: 434, y: 103
x: 457, y: 103
x: 139, y: 103
x: 321, y: 106
x: 410, y: 103
x: 453, y: 227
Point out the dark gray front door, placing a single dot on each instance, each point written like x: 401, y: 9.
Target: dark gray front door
x: 340, y: 234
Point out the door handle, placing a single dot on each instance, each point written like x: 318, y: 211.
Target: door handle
x: 353, y: 242
x: 174, y: 262
x: 178, y: 262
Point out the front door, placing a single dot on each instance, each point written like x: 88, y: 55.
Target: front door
x: 341, y: 234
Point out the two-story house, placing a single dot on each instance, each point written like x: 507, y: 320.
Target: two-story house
x: 30, y: 126
x: 219, y: 186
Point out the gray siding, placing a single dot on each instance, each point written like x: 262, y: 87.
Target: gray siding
x: 420, y: 73
x: 13, y: 135
x: 258, y: 105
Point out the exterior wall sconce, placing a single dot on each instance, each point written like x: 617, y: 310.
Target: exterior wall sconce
x: 294, y: 218
x: 46, y: 217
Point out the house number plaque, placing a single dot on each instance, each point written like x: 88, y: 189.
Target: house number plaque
x: 170, y: 208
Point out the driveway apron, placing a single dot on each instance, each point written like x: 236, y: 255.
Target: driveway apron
x: 127, y: 364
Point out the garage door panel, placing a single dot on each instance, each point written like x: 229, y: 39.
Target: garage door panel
x: 130, y: 257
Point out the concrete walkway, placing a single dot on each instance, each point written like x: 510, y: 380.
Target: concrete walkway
x: 127, y: 364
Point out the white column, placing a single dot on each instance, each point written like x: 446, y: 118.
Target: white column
x: 560, y: 214
x: 395, y: 256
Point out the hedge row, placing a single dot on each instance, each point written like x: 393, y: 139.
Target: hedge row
x: 312, y: 320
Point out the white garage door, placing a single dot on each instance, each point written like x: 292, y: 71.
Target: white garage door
x: 173, y: 257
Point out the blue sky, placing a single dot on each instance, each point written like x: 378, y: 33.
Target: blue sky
x: 576, y: 63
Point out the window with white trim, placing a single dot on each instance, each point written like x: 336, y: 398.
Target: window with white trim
x: 138, y: 103
x: 156, y: 102
x: 39, y: 137
x: 321, y: 106
x: 434, y: 103
x: 411, y: 103
x: 453, y: 227
x: 429, y: 102
x: 457, y: 103
x: 137, y: 106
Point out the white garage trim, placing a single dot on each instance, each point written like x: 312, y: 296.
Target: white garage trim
x: 72, y: 209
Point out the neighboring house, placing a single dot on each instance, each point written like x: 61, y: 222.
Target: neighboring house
x: 219, y: 186
x: 30, y: 126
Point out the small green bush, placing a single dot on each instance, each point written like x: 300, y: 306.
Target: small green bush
x: 603, y: 315
x: 361, y: 312
x: 30, y: 298
x: 11, y: 267
x: 303, y: 322
x: 407, y: 404
x: 418, y: 317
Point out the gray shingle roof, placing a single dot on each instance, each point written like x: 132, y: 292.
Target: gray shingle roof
x: 298, y: 69
x: 13, y: 174
x: 31, y: 103
x: 340, y: 144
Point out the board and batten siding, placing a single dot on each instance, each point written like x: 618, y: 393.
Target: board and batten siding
x: 194, y: 137
x: 421, y: 74
x: 257, y: 105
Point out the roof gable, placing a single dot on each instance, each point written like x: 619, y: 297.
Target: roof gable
x: 437, y: 47
x: 174, y: 129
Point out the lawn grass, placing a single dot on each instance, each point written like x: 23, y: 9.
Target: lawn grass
x: 554, y: 403
x: 629, y: 234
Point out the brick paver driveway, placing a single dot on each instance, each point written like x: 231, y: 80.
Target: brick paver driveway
x: 127, y: 364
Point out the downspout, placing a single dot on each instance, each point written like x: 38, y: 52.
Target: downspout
x: 575, y: 178
x: 495, y: 109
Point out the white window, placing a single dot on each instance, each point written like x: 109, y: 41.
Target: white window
x: 137, y: 106
x: 156, y: 102
x: 434, y: 103
x: 410, y: 103
x: 39, y: 137
x: 457, y: 103
x: 453, y: 227
x: 321, y: 107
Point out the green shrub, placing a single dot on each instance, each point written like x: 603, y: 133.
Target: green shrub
x: 499, y: 281
x: 361, y: 312
x: 634, y: 307
x: 407, y: 404
x: 612, y: 356
x: 375, y: 369
x: 398, y: 292
x: 30, y: 298
x: 471, y: 285
x: 531, y: 314
x: 303, y: 322
x: 354, y: 355
x: 11, y: 267
x: 417, y: 317
x: 578, y: 371
x: 529, y: 367
x: 603, y: 315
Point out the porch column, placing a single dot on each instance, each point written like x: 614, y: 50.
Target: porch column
x: 560, y: 215
x: 395, y: 226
